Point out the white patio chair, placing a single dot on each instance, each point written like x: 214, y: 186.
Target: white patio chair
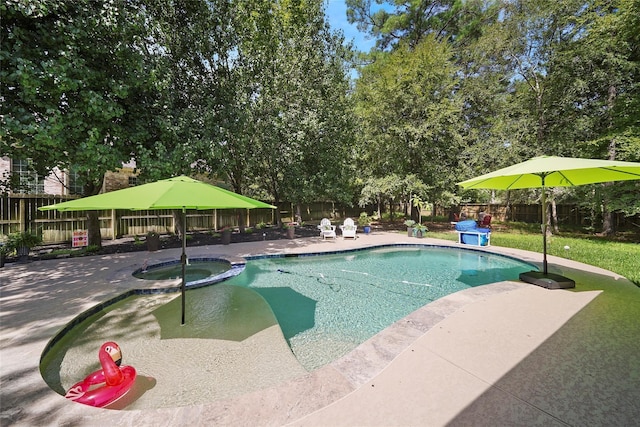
x: 326, y: 229
x: 348, y: 228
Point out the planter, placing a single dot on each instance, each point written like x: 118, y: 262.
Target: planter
x: 409, y: 231
x: 226, y: 237
x: 291, y: 233
x: 22, y: 253
x: 153, y: 242
x: 367, y: 229
x: 419, y: 234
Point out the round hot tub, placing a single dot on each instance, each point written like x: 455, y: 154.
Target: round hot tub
x: 198, y: 271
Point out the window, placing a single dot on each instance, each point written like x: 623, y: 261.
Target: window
x: 75, y: 183
x: 24, y: 179
x: 133, y: 181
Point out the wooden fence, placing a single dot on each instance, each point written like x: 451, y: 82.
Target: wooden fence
x: 20, y: 213
x: 567, y: 215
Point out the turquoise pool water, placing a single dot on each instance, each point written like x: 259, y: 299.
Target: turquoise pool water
x: 327, y: 305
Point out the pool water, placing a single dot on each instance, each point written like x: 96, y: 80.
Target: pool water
x: 236, y: 333
x: 328, y: 305
x: 194, y: 271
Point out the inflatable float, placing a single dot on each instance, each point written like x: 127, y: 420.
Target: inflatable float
x: 103, y: 387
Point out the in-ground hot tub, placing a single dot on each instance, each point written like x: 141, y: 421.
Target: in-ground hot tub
x: 198, y: 271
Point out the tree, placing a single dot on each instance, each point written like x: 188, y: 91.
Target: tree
x: 298, y: 107
x: 408, y: 110
x: 595, y: 85
x: 395, y: 22
x: 78, y: 92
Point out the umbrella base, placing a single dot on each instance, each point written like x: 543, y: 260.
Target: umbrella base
x: 549, y: 280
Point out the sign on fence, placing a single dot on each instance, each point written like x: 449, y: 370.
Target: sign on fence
x: 80, y: 238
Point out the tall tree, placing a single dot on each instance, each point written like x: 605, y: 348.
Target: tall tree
x: 408, y: 110
x: 595, y: 87
x: 77, y: 90
x: 299, y: 110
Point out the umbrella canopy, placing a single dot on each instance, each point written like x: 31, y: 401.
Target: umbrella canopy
x: 174, y: 193
x: 548, y: 171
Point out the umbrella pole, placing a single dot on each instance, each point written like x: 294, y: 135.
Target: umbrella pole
x: 544, y: 230
x: 546, y: 279
x: 183, y: 259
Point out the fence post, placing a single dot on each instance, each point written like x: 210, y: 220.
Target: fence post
x: 22, y: 215
x: 114, y: 224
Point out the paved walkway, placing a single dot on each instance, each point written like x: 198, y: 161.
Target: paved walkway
x: 502, y: 354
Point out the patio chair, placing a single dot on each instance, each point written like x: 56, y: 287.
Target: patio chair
x: 348, y: 228
x: 485, y: 222
x: 326, y: 229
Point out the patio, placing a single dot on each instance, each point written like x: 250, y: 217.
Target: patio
x: 502, y: 354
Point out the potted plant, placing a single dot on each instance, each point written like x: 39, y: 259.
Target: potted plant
x: 365, y: 221
x: 153, y: 241
x: 22, y: 243
x: 3, y: 253
x: 420, y: 230
x: 290, y: 229
x: 410, y: 223
x: 226, y: 235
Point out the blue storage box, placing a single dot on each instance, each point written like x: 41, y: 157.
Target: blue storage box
x: 475, y: 238
x: 470, y: 234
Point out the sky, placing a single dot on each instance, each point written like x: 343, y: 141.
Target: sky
x: 336, y: 12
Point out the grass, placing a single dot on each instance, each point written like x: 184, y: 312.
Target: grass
x: 619, y: 257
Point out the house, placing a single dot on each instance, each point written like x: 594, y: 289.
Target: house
x: 58, y: 182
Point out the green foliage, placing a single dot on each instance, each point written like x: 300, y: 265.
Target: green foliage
x: 91, y: 249
x: 77, y: 90
x: 364, y: 219
x: 408, y: 110
x: 420, y: 228
x: 21, y: 239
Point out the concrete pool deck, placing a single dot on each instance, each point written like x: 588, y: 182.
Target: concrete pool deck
x: 508, y: 353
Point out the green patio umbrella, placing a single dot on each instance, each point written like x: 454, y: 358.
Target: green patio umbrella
x: 548, y: 171
x: 174, y: 193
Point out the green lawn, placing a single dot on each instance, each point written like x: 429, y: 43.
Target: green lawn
x: 621, y: 258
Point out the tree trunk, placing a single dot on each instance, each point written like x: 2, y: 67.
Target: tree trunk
x: 242, y: 219
x: 93, y: 229
x: 415, y: 213
x: 608, y: 226
x: 548, y: 219
x: 299, y: 214
x: 507, y: 210
x: 554, y: 215
x: 93, y: 221
x: 177, y: 221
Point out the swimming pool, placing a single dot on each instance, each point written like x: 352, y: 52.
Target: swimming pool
x: 325, y: 306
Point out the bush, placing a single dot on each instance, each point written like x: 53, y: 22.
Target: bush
x: 22, y: 239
